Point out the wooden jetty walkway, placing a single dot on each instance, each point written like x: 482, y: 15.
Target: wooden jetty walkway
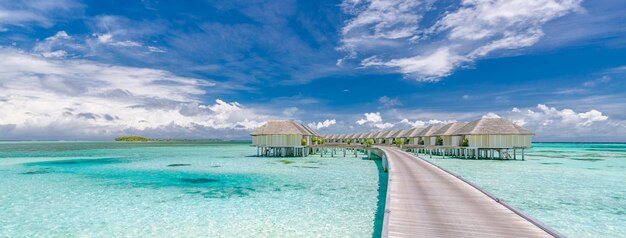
x: 424, y: 200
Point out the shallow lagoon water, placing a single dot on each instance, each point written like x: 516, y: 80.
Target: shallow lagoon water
x: 197, y: 189
x: 578, y: 189
x: 190, y: 189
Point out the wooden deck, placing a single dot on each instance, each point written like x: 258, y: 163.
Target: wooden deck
x: 426, y: 201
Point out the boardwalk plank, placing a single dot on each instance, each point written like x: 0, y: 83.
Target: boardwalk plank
x: 425, y: 201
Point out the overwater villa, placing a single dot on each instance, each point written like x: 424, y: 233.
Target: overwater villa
x: 482, y: 138
x: 360, y: 137
x: 379, y: 137
x: 496, y: 134
x: 404, y: 135
x: 392, y: 136
x: 447, y: 136
x: 282, y: 138
x: 412, y: 135
x: 386, y: 137
x: 425, y: 136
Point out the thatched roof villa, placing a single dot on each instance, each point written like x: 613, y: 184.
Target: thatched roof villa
x: 495, y: 133
x: 426, y: 135
x: 448, y: 134
x: 282, y: 138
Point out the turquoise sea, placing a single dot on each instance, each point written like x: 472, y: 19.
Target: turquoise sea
x: 209, y: 189
x: 186, y: 189
x: 576, y: 188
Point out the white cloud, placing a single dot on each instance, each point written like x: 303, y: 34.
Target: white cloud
x: 388, y: 102
x: 291, y: 111
x: 491, y: 115
x: 421, y: 123
x: 595, y: 82
x: 109, y: 40
x: 388, y: 33
x: 323, y: 124
x: 155, y: 49
x: 48, y: 47
x: 566, y: 124
x: 41, y: 12
x: 52, y: 98
x: 105, y: 38
x: 383, y: 18
x: 374, y: 119
x: 429, y: 67
x: 569, y: 116
x: 383, y: 126
x: 54, y: 54
x: 371, y: 117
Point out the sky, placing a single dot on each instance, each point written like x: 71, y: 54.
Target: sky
x: 94, y: 70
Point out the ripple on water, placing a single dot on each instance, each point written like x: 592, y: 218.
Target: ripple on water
x: 199, y: 180
x: 39, y: 171
x: 587, y: 159
x: 76, y: 162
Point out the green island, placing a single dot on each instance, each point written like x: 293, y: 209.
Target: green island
x: 133, y: 138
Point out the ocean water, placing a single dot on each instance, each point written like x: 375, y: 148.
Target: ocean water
x: 200, y: 189
x: 577, y: 189
x: 183, y: 189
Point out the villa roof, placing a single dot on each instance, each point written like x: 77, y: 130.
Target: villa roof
x: 379, y: 134
x: 369, y: 135
x: 387, y: 134
x: 492, y: 126
x: 413, y: 132
x: 428, y: 131
x: 281, y: 127
x: 449, y: 129
x: 404, y: 133
x: 398, y: 133
x: 313, y: 132
x: 360, y: 135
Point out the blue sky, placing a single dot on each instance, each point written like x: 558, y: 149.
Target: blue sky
x: 195, y: 69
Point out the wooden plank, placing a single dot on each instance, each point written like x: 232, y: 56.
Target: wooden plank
x: 426, y: 201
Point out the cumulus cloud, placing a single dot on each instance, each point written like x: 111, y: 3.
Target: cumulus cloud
x: 370, y: 117
x: 421, y: 123
x: 387, y: 34
x: 492, y: 115
x: 388, y: 102
x: 60, y: 98
x: 553, y: 123
x: 323, y: 124
x: 42, y: 12
x: 108, y: 39
x: 374, y: 119
x: 49, y: 47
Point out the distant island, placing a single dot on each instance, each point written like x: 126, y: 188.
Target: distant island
x: 133, y: 138
x: 144, y: 139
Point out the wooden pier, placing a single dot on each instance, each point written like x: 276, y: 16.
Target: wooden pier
x: 426, y: 201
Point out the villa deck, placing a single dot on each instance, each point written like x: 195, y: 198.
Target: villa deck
x: 426, y: 201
